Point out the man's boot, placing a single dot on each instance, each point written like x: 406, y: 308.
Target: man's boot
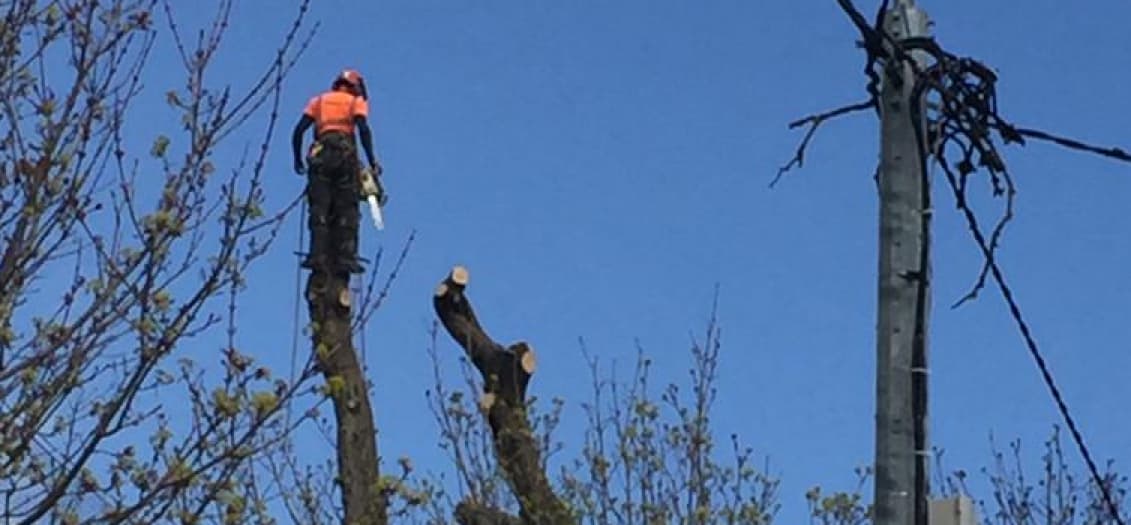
x: 316, y: 258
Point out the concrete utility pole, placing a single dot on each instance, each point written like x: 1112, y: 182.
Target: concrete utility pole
x: 904, y: 291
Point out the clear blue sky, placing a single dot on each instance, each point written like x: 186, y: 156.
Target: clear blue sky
x: 600, y: 166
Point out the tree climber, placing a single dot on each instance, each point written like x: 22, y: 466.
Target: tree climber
x: 334, y: 173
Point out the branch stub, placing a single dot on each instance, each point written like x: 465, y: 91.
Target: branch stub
x: 460, y: 275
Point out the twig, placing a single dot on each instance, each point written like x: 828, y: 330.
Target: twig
x: 814, y: 121
x: 1111, y: 152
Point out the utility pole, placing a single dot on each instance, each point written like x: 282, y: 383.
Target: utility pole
x: 901, y: 482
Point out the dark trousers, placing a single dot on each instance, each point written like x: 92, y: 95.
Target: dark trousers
x: 332, y: 194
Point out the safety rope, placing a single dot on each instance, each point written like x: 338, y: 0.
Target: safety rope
x: 298, y: 299
x: 364, y: 325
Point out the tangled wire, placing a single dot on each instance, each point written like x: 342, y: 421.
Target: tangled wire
x: 962, y: 120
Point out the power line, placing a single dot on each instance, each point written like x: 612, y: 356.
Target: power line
x: 1031, y: 344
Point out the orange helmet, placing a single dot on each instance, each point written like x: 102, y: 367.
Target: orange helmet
x: 352, y: 81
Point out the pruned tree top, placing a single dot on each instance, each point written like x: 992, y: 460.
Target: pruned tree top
x: 505, y: 372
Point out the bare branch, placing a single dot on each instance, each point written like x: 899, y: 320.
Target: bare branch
x: 1110, y: 152
x: 814, y: 121
x: 77, y: 353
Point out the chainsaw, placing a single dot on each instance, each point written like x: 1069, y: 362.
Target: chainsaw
x: 373, y: 192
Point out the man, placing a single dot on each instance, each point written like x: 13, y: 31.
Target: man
x: 332, y: 189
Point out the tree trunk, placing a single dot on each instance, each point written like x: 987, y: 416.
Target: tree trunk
x: 506, y: 371
x: 469, y: 513
x: 363, y: 498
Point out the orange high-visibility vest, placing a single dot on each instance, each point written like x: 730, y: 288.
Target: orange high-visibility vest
x: 335, y: 111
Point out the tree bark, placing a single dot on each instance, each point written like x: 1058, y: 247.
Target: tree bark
x: 506, y: 372
x: 364, y: 500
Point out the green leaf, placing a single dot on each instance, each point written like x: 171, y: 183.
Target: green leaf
x: 160, y: 146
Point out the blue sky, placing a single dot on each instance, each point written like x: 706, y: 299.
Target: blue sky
x: 601, y: 166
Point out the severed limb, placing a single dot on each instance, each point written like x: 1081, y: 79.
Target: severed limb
x: 506, y: 372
